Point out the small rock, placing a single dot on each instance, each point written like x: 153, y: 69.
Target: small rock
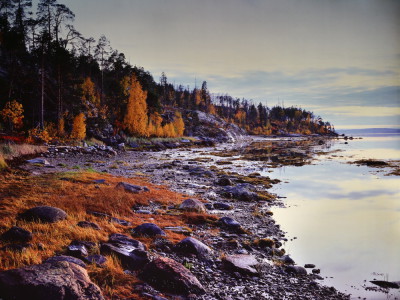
x: 148, y: 229
x: 135, y: 189
x: 309, y: 266
x: 143, y: 212
x: 316, y: 271
x: 286, y: 259
x: 17, y: 234
x: 168, y: 275
x: 45, y: 214
x: 78, y: 251
x: 296, y: 270
x: 193, y: 205
x: 224, y: 181
x: 229, y: 223
x: 97, y: 259
x: 38, y: 160
x: 86, y: 224
x: 122, y: 239
x: 222, y: 206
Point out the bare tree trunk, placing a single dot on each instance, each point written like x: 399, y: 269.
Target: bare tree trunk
x: 42, y: 92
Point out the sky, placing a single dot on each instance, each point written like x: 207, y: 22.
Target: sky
x: 338, y: 58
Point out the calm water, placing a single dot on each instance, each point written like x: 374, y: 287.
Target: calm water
x: 346, y: 218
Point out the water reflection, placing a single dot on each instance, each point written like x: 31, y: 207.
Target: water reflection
x: 346, y: 218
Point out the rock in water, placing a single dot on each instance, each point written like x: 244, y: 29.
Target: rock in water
x: 241, y: 263
x: 190, y: 245
x: 296, y: 270
x: 135, y: 189
x: 147, y: 229
x: 170, y: 276
x: 45, y: 214
x: 17, y: 234
x: 55, y: 281
x: 387, y: 284
x: 193, y: 205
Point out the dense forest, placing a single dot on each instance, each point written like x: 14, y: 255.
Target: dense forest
x: 56, y: 82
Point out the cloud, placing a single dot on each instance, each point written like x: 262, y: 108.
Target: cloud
x: 362, y: 111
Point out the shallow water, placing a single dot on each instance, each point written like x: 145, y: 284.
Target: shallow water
x: 346, y: 218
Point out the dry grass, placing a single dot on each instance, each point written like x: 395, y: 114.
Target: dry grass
x: 10, y: 151
x: 3, y: 163
x: 76, y: 193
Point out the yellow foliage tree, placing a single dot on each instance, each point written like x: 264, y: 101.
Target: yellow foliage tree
x: 136, y: 120
x: 169, y: 130
x: 13, y: 113
x: 61, y: 127
x: 155, y: 128
x: 89, y: 97
x: 179, y: 125
x: 79, y: 127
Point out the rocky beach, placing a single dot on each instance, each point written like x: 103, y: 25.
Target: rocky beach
x: 231, y: 247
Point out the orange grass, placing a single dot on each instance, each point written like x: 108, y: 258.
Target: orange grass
x: 76, y: 193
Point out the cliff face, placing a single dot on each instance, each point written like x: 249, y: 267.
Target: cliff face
x: 203, y: 125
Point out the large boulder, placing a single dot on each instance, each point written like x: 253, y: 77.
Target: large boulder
x: 167, y: 275
x: 45, y: 214
x: 190, y: 245
x: 17, y: 234
x: 55, y: 280
x: 147, y: 229
x: 193, y: 205
x: 241, y: 263
x: 240, y: 192
x: 131, y: 188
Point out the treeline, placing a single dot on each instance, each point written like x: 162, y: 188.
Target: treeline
x: 54, y: 81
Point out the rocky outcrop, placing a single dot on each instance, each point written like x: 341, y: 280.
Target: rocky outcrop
x: 51, y: 280
x: 168, y: 275
x: 45, y: 214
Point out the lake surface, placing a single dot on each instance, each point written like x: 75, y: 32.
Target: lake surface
x: 345, y: 218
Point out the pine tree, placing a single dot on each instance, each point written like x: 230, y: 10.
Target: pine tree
x: 136, y: 120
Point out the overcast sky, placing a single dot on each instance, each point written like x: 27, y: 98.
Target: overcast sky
x: 339, y: 58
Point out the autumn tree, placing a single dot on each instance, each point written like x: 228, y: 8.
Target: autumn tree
x: 155, y: 128
x: 179, y: 124
x: 89, y: 97
x: 12, y: 114
x: 79, y: 127
x: 135, y: 120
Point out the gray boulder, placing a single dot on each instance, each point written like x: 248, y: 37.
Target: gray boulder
x: 52, y: 280
x: 45, y: 214
x: 193, y: 205
x: 296, y: 270
x: 240, y: 193
x: 190, y: 245
x: 229, y: 223
x: 66, y: 258
x: 147, y: 229
x: 241, y: 263
x: 167, y: 275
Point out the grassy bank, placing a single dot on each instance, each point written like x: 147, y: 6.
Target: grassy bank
x: 10, y: 151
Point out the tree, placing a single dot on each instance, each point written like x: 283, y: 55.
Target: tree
x: 179, y: 124
x: 12, y: 114
x: 135, y: 120
x: 79, y: 127
x: 89, y: 97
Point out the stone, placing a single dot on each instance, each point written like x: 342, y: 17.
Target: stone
x: 131, y: 188
x: 241, y: 263
x: 97, y: 259
x: 179, y: 229
x: 167, y: 275
x: 193, y: 205
x: 286, y: 259
x: 229, y: 223
x: 66, y: 258
x: 309, y: 266
x: 222, y: 206
x: 57, y: 280
x: 316, y: 271
x: 296, y: 270
x: 241, y: 193
x: 17, y: 234
x: 77, y: 250
x: 147, y: 229
x: 45, y: 214
x: 131, y: 258
x: 387, y: 284
x: 38, y: 160
x: 86, y: 224
x: 120, y: 221
x: 190, y: 245
x: 224, y: 181
x: 122, y: 239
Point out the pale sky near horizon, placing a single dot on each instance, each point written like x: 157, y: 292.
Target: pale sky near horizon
x: 338, y: 58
